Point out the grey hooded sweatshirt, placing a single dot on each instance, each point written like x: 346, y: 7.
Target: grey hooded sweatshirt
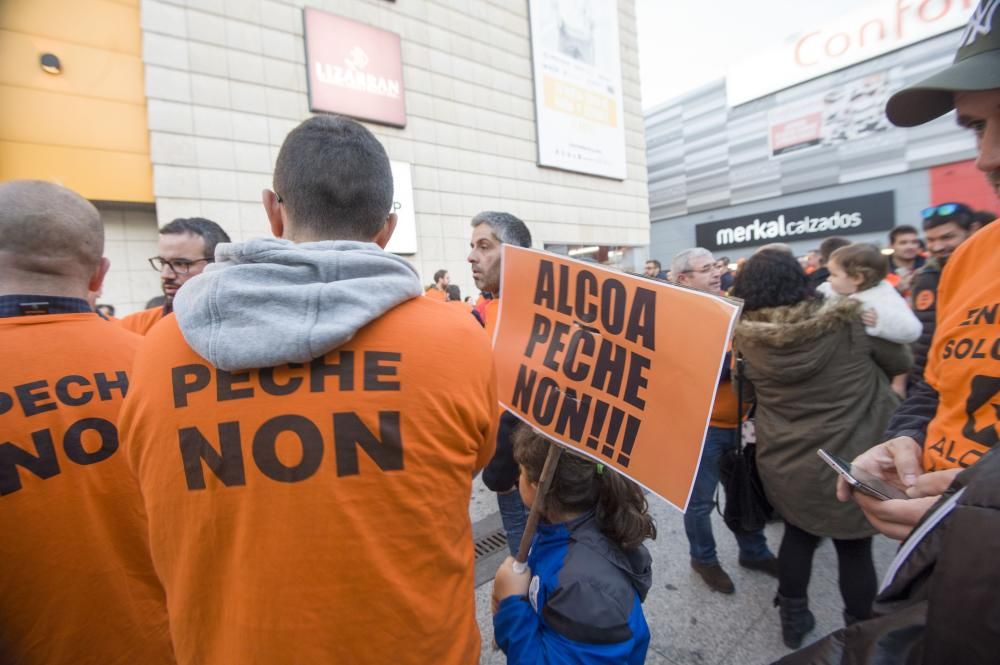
x: 268, y: 302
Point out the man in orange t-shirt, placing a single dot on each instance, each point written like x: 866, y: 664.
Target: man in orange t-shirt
x: 184, y: 248
x: 306, y: 438
x: 439, y: 289
x: 950, y: 420
x: 490, y: 231
x: 76, y: 581
x: 697, y: 268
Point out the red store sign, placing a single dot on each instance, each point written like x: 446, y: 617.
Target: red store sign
x: 354, y: 69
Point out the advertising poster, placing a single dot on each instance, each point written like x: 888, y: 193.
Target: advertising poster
x: 846, y: 113
x: 354, y: 69
x: 611, y: 364
x: 579, y: 112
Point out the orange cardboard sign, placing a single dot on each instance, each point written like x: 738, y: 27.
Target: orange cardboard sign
x: 621, y: 368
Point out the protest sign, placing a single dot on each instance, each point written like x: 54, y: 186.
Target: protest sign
x: 621, y: 368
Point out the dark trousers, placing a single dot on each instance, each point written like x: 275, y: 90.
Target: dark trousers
x: 855, y: 569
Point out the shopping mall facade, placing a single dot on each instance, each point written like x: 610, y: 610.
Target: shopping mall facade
x: 176, y: 108
x: 793, y: 146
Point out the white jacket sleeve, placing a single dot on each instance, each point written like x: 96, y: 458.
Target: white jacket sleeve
x: 896, y: 322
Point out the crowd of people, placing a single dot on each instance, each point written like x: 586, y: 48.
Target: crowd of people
x: 275, y: 463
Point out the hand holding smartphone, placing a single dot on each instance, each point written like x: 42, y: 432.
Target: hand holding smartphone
x: 860, y: 479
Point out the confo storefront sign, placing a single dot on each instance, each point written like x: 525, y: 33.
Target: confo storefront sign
x: 878, y: 28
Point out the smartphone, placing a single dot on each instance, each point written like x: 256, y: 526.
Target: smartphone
x: 861, y: 480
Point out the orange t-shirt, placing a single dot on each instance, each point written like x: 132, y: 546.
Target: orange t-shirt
x: 76, y: 581
x: 491, y: 311
x: 318, y: 513
x: 725, y: 409
x: 436, y: 294
x: 964, y: 360
x: 141, y: 322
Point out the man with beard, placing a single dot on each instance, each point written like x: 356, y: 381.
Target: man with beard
x: 938, y: 602
x: 490, y: 231
x: 945, y: 228
x: 184, y: 248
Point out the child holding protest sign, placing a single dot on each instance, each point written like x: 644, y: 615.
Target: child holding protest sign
x: 581, y: 600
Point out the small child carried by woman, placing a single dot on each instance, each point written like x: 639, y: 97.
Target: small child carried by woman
x: 581, y: 599
x: 858, y: 271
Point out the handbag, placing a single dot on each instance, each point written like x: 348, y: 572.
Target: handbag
x: 747, y: 507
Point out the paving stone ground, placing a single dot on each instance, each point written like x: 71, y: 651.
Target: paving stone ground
x: 690, y: 624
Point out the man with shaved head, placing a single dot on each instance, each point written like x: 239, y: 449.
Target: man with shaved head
x: 76, y: 579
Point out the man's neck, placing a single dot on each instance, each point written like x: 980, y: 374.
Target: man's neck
x: 904, y: 263
x: 41, y: 287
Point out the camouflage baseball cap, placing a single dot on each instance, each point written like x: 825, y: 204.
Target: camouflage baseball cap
x: 976, y: 67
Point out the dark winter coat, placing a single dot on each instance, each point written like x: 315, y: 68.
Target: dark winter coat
x: 940, y: 606
x: 924, y: 296
x: 819, y: 382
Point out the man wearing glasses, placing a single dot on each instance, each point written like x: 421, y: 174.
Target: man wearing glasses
x: 698, y: 269
x: 185, y: 247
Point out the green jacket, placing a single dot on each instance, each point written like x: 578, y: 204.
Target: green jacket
x: 819, y: 382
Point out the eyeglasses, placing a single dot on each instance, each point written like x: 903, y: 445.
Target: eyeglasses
x: 944, y: 210
x: 178, y: 266
x: 703, y: 271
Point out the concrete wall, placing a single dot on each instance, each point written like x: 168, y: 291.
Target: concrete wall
x: 129, y: 240
x: 226, y: 81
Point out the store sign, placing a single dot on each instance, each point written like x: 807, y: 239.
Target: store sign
x: 848, y: 112
x: 354, y: 69
x: 579, y: 112
x: 878, y: 28
x: 860, y: 214
x: 404, y: 238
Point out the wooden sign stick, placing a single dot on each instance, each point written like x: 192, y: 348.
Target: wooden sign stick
x: 548, y: 470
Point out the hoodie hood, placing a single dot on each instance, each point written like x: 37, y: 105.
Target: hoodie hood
x: 636, y: 564
x: 787, y: 344
x: 270, y: 301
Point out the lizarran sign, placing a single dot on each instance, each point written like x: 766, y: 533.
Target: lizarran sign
x: 877, y: 28
x: 859, y: 214
x: 354, y: 69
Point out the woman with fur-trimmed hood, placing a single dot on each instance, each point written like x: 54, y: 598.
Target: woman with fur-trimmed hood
x: 819, y: 382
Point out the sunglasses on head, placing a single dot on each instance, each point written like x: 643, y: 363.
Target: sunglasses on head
x: 944, y: 210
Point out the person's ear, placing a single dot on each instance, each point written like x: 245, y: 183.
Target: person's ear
x: 382, y: 237
x: 857, y: 280
x: 273, y: 209
x: 96, y: 280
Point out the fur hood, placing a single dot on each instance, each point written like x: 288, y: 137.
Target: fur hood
x: 795, y: 324
x: 788, y: 344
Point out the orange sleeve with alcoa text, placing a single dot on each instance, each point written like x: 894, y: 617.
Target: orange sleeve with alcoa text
x: 318, y: 512
x: 964, y: 360
x: 76, y: 580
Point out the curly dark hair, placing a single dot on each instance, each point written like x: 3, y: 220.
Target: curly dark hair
x: 579, y: 485
x: 772, y: 279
